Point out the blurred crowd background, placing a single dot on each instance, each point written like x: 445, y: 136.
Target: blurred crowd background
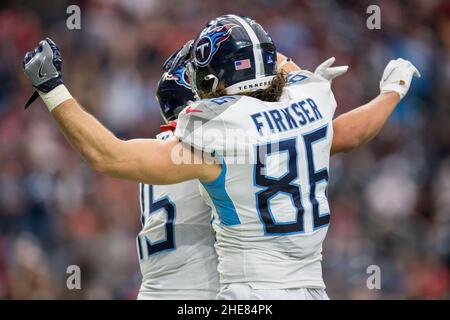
x: 390, y: 199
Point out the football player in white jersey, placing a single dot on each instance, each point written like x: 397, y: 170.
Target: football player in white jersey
x: 176, y: 245
x: 270, y: 139
x: 176, y: 239
x: 274, y: 145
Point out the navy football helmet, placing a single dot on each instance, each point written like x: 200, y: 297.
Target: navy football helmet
x: 234, y: 50
x: 174, y: 89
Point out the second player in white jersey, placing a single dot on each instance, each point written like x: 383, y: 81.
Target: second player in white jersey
x: 272, y: 212
x: 176, y: 244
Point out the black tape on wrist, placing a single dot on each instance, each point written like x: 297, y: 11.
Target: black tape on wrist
x: 31, y: 99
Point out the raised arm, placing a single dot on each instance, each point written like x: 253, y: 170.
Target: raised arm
x: 357, y: 127
x: 144, y: 160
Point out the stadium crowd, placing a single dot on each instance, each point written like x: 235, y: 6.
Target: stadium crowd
x: 390, y: 199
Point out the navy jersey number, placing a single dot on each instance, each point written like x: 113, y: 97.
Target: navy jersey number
x: 156, y: 206
x: 271, y: 186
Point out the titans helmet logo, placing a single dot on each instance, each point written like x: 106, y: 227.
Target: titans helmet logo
x: 180, y: 77
x: 209, y: 42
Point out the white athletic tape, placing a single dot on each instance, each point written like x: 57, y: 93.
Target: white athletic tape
x: 55, y: 97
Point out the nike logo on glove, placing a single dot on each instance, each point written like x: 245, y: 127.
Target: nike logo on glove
x: 40, y: 75
x: 190, y: 110
x: 385, y: 78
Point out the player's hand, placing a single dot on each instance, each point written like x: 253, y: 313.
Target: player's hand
x: 397, y: 76
x: 328, y: 72
x: 43, y: 66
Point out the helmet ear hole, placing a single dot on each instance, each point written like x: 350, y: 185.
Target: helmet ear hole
x: 215, y: 83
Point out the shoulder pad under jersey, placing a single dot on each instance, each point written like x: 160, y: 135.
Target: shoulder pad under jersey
x: 304, y: 77
x: 201, y: 113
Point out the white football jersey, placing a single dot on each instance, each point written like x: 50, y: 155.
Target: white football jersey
x: 176, y: 244
x: 270, y: 201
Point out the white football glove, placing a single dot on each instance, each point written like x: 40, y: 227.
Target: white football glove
x: 397, y: 76
x: 328, y: 72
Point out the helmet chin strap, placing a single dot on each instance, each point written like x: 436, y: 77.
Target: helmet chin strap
x: 215, y: 83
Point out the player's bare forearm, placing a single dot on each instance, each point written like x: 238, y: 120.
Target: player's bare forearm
x: 143, y: 160
x: 357, y: 127
x: 88, y: 136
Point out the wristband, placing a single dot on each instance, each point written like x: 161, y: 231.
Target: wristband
x: 55, y: 97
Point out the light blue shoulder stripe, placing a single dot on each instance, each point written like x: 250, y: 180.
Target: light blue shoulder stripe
x: 221, y: 200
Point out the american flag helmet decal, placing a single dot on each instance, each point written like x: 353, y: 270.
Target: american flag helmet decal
x: 242, y: 64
